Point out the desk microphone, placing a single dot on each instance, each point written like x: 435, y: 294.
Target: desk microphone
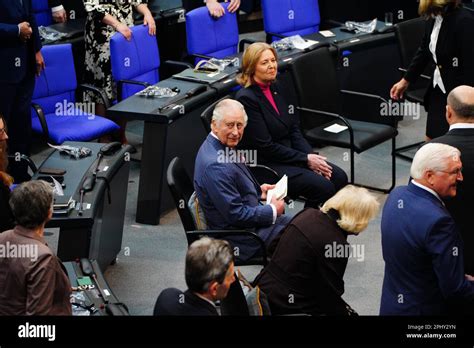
x: 87, y: 186
x: 191, y: 93
x: 195, y: 91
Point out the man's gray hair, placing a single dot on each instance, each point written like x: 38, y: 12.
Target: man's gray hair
x: 228, y: 104
x: 461, y: 100
x: 434, y: 157
x: 31, y: 202
x: 207, y: 260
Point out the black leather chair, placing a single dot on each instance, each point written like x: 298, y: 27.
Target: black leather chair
x: 321, y: 104
x: 182, y: 188
x: 409, y: 36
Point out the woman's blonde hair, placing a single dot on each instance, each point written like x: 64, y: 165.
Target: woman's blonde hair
x: 356, y: 207
x: 249, y: 62
x: 435, y: 7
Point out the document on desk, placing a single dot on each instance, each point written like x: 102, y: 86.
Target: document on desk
x: 200, y: 77
x: 301, y: 43
x: 327, y: 33
x: 280, y: 190
x: 335, y: 128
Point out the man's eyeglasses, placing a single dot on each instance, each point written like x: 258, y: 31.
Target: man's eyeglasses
x: 456, y: 172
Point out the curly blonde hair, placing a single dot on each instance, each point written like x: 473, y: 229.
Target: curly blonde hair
x: 429, y: 8
x: 356, y: 207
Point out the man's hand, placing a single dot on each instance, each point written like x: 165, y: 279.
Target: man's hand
x: 265, y: 188
x: 469, y: 277
x: 150, y: 21
x: 319, y: 165
x: 234, y: 6
x: 60, y: 16
x: 215, y: 9
x: 25, y: 31
x: 124, y: 30
x: 39, y: 63
x: 398, y: 89
x: 279, y: 205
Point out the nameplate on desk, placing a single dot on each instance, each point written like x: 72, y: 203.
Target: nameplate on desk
x: 287, y: 59
x: 354, y: 40
x: 227, y: 81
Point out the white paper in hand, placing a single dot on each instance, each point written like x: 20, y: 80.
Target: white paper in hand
x: 280, y: 190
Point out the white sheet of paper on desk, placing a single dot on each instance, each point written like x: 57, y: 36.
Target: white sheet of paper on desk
x: 304, y: 44
x: 327, y: 33
x: 335, y: 128
x: 280, y: 190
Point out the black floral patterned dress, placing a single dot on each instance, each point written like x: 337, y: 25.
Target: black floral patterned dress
x: 98, y: 71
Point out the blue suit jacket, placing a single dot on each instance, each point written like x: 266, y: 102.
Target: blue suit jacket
x: 230, y: 196
x: 17, y: 58
x: 423, y: 255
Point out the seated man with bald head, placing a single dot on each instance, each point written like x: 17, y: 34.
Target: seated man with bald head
x: 460, y: 117
x: 226, y: 189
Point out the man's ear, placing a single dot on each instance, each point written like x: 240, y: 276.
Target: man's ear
x: 213, y: 289
x: 449, y: 114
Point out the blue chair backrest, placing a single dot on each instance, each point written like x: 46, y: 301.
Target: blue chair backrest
x: 137, y: 59
x: 57, y: 83
x: 206, y: 35
x: 291, y: 17
x: 42, y: 12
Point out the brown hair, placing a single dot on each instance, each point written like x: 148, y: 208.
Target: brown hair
x: 429, y: 8
x: 249, y: 62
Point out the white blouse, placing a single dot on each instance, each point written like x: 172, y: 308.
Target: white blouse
x: 437, y: 80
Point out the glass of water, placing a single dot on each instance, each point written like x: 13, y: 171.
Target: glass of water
x: 389, y: 19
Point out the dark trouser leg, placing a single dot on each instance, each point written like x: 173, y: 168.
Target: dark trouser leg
x: 15, y: 103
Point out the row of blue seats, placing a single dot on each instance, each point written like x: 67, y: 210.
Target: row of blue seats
x: 55, y: 114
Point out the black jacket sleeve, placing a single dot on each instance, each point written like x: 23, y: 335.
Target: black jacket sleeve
x: 422, y: 56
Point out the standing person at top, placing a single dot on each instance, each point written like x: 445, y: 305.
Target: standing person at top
x: 447, y: 44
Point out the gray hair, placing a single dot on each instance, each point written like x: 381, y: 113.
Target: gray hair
x: 434, y: 157
x: 461, y: 100
x: 228, y: 104
x: 207, y: 260
x: 31, y: 202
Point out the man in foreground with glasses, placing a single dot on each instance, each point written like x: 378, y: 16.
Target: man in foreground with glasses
x: 422, y: 248
x: 460, y: 117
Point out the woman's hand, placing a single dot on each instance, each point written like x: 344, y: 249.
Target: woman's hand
x: 215, y: 9
x: 319, y: 165
x: 124, y: 30
x: 398, y: 89
x: 150, y: 21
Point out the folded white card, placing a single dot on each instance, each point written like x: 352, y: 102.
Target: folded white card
x: 335, y: 128
x: 280, y: 190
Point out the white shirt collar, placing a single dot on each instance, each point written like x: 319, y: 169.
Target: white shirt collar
x: 462, y: 126
x: 427, y: 189
x: 215, y: 136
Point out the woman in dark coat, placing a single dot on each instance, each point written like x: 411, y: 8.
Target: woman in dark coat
x: 273, y: 131
x: 448, y: 45
x: 305, y: 274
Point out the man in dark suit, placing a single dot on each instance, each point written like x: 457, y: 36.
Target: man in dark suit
x: 227, y: 191
x: 421, y: 246
x: 460, y: 117
x: 20, y: 58
x: 209, y: 274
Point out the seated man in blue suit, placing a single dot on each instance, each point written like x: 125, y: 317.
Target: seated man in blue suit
x: 421, y: 245
x: 209, y: 273
x: 227, y: 191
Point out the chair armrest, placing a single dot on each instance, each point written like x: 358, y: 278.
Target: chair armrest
x: 194, y: 235
x: 243, y: 42
x: 174, y: 63
x: 366, y: 107
x: 172, y: 67
x: 270, y: 34
x: 25, y: 158
x: 42, y: 119
x: 426, y: 77
x: 120, y: 84
x: 97, y: 91
x: 196, y: 55
x: 265, y: 172
x: 331, y: 114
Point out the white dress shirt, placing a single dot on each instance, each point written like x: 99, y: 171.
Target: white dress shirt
x: 427, y: 189
x: 462, y: 126
x: 437, y: 80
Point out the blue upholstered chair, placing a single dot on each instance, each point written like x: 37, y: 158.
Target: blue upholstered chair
x: 135, y: 63
x: 283, y: 18
x: 42, y: 12
x: 55, y: 112
x: 210, y: 37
